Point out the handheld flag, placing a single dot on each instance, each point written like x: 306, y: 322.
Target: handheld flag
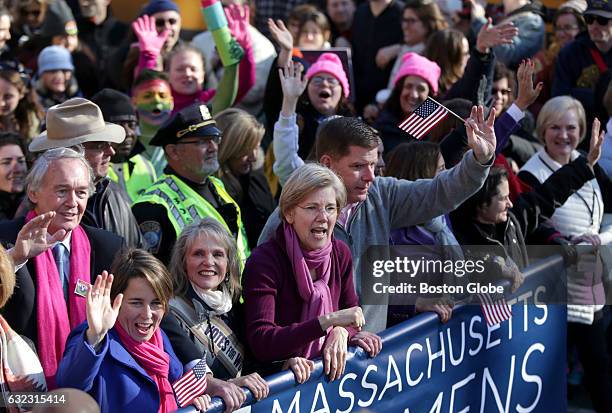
x: 427, y: 115
x: 191, y: 385
x: 495, y: 308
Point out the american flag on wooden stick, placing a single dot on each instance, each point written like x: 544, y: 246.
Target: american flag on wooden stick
x: 427, y: 115
x: 495, y: 308
x: 191, y: 385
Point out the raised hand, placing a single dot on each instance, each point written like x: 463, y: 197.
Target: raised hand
x: 349, y: 317
x: 255, y: 383
x: 238, y: 23
x: 527, y: 94
x: 369, y: 342
x: 490, y: 36
x: 281, y: 35
x: 301, y: 367
x: 334, y: 353
x: 480, y: 134
x: 597, y: 138
x: 34, y: 238
x: 292, y: 82
x: 101, y: 314
x: 148, y: 39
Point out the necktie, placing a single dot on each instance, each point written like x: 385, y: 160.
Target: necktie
x: 63, y: 265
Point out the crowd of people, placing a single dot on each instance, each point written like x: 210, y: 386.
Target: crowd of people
x: 165, y: 201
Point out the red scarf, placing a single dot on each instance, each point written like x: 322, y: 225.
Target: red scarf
x: 316, y: 296
x: 150, y: 355
x: 53, y: 321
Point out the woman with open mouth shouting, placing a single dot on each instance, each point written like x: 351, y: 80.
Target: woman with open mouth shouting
x: 120, y: 356
x: 300, y: 301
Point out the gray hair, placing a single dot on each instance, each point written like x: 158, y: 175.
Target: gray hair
x: 213, y: 228
x: 41, y: 166
x: 306, y: 179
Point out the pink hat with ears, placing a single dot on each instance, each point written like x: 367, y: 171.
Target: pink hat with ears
x: 416, y: 65
x: 330, y: 63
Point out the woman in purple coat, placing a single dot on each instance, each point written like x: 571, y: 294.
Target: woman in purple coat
x: 298, y: 287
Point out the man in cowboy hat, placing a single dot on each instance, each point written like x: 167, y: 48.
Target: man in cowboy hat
x: 55, y: 254
x: 80, y: 122
x: 187, y: 190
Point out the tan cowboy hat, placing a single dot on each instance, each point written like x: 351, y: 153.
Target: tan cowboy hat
x: 73, y: 122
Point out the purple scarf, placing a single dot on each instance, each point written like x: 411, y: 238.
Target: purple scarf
x: 316, y: 296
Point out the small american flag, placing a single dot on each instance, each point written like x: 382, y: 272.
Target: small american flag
x: 191, y: 385
x: 427, y: 115
x: 495, y: 308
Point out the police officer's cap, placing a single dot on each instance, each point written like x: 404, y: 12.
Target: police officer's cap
x: 194, y: 120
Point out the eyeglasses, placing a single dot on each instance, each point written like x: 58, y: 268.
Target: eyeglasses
x: 504, y: 92
x: 566, y: 28
x: 315, y: 211
x: 590, y: 19
x: 97, y: 146
x: 162, y: 22
x: 318, y: 81
x: 409, y: 20
x: 202, y: 141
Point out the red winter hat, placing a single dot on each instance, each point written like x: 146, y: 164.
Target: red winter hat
x: 330, y: 63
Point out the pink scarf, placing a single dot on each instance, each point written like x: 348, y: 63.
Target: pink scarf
x: 150, y: 355
x: 316, y: 295
x: 181, y: 101
x: 54, y: 322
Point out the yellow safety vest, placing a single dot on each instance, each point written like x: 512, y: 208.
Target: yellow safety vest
x: 184, y: 205
x: 139, y: 180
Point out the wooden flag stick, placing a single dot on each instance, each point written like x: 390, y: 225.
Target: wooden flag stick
x: 449, y: 111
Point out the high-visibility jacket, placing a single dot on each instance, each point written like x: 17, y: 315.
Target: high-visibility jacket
x: 138, y: 180
x: 184, y: 205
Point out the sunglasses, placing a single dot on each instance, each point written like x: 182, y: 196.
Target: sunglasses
x: 590, y: 19
x: 162, y: 22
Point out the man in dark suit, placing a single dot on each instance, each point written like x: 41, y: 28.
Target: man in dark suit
x: 54, y: 254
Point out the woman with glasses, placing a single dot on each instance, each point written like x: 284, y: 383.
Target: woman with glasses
x: 300, y: 301
x: 326, y: 85
x: 568, y: 22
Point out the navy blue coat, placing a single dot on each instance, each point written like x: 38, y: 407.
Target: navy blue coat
x: 112, y: 376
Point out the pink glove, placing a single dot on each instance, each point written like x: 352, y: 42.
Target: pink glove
x: 238, y: 23
x: 149, y: 41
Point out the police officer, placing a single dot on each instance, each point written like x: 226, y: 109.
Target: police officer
x: 187, y: 190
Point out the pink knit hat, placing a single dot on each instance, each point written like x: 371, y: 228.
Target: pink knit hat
x: 417, y: 65
x: 330, y: 63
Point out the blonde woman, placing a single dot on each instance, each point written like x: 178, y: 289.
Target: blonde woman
x: 300, y: 301
x: 238, y: 156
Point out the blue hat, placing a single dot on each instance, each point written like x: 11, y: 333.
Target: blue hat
x: 54, y: 58
x: 599, y: 8
x: 156, y: 6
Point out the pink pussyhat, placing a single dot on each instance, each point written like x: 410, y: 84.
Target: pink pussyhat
x: 416, y: 65
x: 330, y: 63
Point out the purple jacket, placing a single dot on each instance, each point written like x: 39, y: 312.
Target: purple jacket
x: 273, y: 305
